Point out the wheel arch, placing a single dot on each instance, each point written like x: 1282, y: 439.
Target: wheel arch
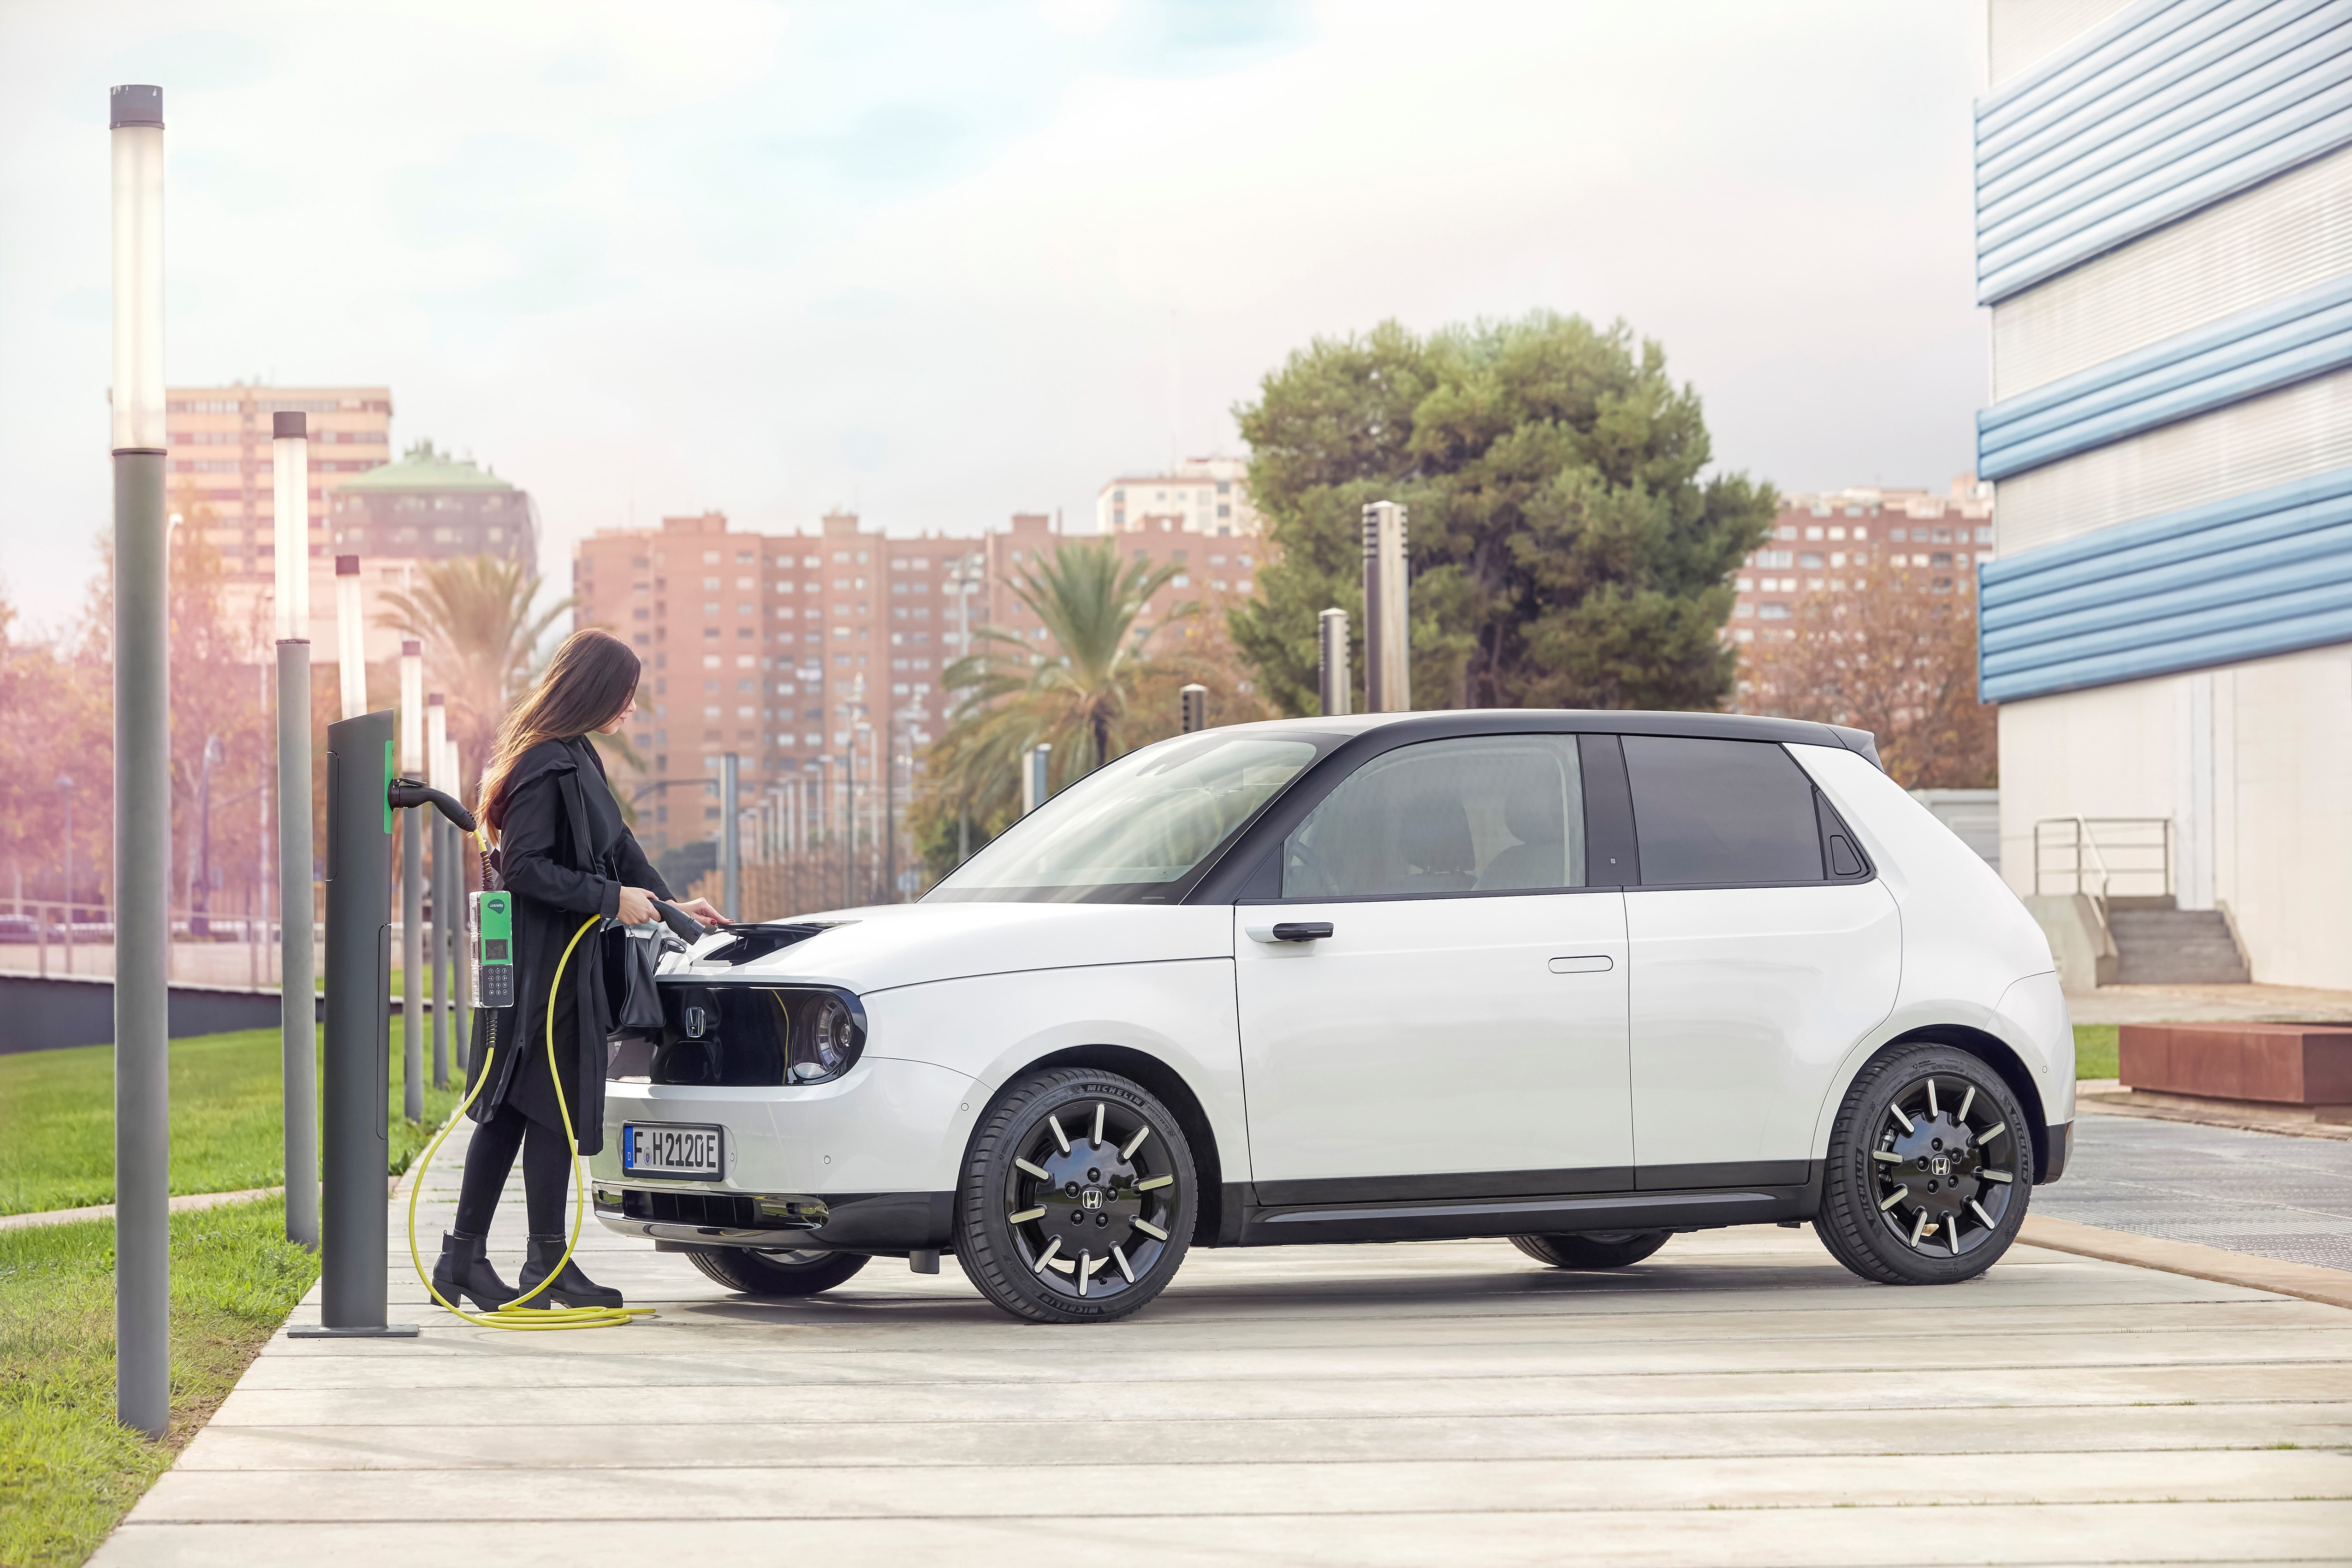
x: 1996, y: 1053
x: 1211, y: 1211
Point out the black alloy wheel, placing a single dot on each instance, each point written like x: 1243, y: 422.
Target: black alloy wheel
x: 1593, y: 1248
x: 1930, y: 1168
x: 782, y: 1272
x: 1077, y: 1199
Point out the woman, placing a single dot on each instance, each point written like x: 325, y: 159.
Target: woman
x: 567, y: 857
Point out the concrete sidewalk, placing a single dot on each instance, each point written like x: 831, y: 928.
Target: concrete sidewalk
x: 1738, y: 1399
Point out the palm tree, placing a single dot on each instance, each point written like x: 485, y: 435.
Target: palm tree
x: 1077, y: 701
x: 475, y: 615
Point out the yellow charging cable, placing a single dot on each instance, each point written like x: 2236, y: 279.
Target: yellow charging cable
x: 514, y: 1314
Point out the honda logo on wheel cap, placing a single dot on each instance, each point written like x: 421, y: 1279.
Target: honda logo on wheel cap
x: 1091, y: 1198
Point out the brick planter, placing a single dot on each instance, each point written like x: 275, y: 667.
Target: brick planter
x: 2306, y: 1066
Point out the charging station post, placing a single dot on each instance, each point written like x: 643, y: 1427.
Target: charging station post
x: 358, y: 1032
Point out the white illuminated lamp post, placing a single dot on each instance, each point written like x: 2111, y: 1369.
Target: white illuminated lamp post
x: 1388, y: 666
x: 437, y: 741
x: 1033, y: 776
x: 350, y: 636
x: 289, y: 469
x: 411, y: 886
x: 142, y: 779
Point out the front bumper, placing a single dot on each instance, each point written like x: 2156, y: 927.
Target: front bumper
x: 693, y: 1214
x: 869, y: 1161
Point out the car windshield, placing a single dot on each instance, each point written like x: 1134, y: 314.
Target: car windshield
x: 1142, y: 830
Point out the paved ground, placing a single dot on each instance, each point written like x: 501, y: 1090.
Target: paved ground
x: 1738, y: 1400
x: 2289, y: 1198
x: 2207, y: 1005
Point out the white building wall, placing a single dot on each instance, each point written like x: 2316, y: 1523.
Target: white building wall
x: 2290, y: 434
x: 2253, y: 762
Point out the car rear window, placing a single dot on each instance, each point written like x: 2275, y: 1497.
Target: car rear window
x: 1721, y: 811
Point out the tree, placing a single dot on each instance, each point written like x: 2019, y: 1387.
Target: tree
x: 475, y: 615
x: 1566, y: 550
x: 1087, y: 702
x: 1896, y: 659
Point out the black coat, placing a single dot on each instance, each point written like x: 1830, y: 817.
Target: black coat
x: 565, y: 854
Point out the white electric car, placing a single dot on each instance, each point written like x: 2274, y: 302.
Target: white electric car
x: 1579, y: 979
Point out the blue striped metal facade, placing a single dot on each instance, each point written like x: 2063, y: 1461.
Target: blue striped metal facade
x: 2166, y: 107
x: 2227, y: 361
x: 2255, y: 575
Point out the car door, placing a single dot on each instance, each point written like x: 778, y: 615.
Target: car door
x: 1453, y: 1021
x: 1762, y: 951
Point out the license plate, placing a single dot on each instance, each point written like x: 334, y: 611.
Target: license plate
x: 668, y: 1149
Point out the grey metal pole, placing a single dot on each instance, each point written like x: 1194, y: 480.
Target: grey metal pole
x: 1194, y: 700
x: 289, y: 442
x: 730, y: 835
x: 412, y: 888
x: 849, y: 819
x: 1388, y: 665
x: 352, y: 1259
x: 143, y: 778
x: 1331, y: 662
x: 297, y: 1011
x: 889, y: 738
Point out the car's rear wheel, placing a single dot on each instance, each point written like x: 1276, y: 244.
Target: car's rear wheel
x: 783, y: 1272
x: 1930, y: 1166
x: 1592, y: 1249
x: 1077, y: 1199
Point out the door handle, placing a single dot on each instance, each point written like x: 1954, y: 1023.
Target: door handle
x: 1586, y: 964
x: 1289, y: 930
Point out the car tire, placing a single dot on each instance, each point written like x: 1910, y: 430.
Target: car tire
x: 784, y: 1274
x: 1077, y: 1199
x: 1593, y: 1249
x: 1930, y: 1168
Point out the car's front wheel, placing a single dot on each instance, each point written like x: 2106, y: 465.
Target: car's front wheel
x: 784, y: 1272
x: 1077, y: 1199
x: 1931, y: 1165
x: 1593, y: 1248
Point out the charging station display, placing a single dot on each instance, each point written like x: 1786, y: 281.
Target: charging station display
x: 491, y: 917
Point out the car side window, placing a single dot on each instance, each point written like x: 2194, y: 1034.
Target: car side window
x: 1721, y: 811
x: 1494, y: 813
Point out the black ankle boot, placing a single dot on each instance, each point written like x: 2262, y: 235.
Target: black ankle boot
x: 570, y: 1289
x: 464, y: 1271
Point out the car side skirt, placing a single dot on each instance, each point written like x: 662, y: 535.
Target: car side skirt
x: 1433, y: 1214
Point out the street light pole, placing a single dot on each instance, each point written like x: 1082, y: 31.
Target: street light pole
x: 289, y: 469
x: 436, y: 740
x: 411, y: 886
x: 65, y: 788
x: 730, y: 835
x: 350, y: 638
x: 142, y: 775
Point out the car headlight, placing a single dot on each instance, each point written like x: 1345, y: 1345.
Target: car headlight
x: 827, y: 1043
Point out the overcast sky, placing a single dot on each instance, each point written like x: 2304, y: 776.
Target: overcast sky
x: 942, y: 263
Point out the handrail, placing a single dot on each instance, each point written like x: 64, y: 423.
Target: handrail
x: 2083, y: 834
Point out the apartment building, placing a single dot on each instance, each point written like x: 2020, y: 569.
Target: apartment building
x: 220, y: 451
x: 433, y: 505
x: 1839, y: 542
x: 1207, y: 496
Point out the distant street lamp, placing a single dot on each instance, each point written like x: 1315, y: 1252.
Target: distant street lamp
x: 411, y: 886
x: 65, y: 789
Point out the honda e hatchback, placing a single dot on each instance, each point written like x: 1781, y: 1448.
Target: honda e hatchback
x: 1582, y: 980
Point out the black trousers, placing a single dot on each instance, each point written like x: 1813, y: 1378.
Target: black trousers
x: 546, y: 1173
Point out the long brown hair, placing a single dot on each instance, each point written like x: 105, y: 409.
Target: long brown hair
x: 586, y: 684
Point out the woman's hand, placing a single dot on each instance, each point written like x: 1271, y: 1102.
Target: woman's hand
x: 701, y: 909
x: 637, y: 907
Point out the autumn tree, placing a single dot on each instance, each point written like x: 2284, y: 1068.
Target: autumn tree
x: 1566, y: 545
x: 1895, y: 658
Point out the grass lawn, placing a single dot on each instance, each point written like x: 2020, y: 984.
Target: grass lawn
x: 2094, y: 1051
x: 56, y: 1121
x: 66, y: 1471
